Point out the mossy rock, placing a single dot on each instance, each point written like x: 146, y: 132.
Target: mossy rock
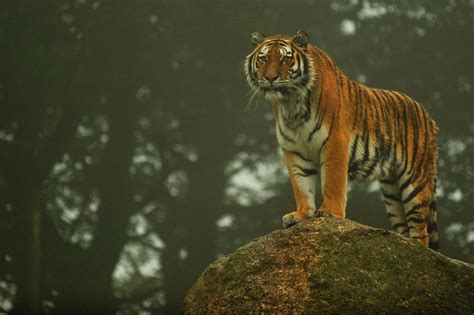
x: 329, y: 266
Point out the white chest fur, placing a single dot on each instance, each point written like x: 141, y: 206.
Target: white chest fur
x: 299, y: 130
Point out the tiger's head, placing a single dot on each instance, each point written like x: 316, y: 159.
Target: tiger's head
x: 279, y: 65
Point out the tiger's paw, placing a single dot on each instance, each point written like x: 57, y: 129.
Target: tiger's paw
x: 292, y: 218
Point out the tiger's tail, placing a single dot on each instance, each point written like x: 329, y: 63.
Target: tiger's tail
x: 433, y: 241
x: 433, y: 228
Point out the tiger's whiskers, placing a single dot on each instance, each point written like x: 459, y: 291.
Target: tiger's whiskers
x: 249, y: 104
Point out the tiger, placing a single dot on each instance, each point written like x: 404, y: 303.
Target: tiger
x: 329, y: 124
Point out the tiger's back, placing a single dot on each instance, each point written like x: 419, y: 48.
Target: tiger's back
x: 390, y: 133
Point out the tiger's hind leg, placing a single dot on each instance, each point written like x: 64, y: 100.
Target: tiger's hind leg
x: 394, y: 207
x: 418, y: 198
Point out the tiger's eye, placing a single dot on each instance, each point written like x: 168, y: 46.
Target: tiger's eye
x: 286, y: 59
x: 262, y: 59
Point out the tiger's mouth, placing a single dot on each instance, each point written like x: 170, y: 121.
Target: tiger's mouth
x: 274, y: 93
x: 275, y: 89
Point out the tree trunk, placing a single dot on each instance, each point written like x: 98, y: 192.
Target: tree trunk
x: 27, y: 250
x: 88, y: 289
x: 207, y: 181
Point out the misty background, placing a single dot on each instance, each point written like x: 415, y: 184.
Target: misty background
x: 128, y: 161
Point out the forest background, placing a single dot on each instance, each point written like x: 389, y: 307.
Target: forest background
x: 128, y: 161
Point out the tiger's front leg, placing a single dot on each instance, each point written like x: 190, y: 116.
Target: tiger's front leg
x: 303, y: 181
x: 334, y: 177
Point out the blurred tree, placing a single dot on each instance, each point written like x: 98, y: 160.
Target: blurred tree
x: 37, y: 128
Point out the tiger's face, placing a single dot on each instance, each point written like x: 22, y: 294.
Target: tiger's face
x: 279, y: 66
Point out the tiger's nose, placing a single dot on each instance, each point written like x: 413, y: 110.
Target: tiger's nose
x: 271, y: 77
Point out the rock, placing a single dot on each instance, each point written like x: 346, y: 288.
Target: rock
x: 327, y: 265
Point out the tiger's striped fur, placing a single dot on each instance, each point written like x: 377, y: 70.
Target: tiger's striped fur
x: 327, y: 123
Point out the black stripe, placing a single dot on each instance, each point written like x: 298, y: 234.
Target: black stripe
x: 330, y: 131
x: 396, y: 112
x: 309, y: 102
x: 349, y: 87
x: 387, y: 181
x: 422, y: 150
x: 414, y: 209
x: 305, y: 64
x: 366, y: 141
x: 389, y: 146
x: 317, y: 126
x: 319, y: 122
x: 307, y: 171
x: 394, y: 197
x: 251, y: 72
x: 354, y: 163
x: 415, y: 192
x: 287, y: 138
x: 415, y: 128
x: 297, y: 154
x: 391, y: 215
x: 387, y: 120
x: 427, y: 136
x: 405, y: 184
x: 357, y: 104
x: 376, y: 93
x: 399, y: 225
x: 404, y: 133
x: 385, y: 116
x: 416, y: 220
x: 370, y: 170
x: 327, y: 59
x: 354, y: 148
x: 396, y: 127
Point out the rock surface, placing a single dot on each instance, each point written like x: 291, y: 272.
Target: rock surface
x: 327, y: 265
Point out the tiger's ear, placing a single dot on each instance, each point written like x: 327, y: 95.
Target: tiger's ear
x: 256, y: 38
x: 301, y: 39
